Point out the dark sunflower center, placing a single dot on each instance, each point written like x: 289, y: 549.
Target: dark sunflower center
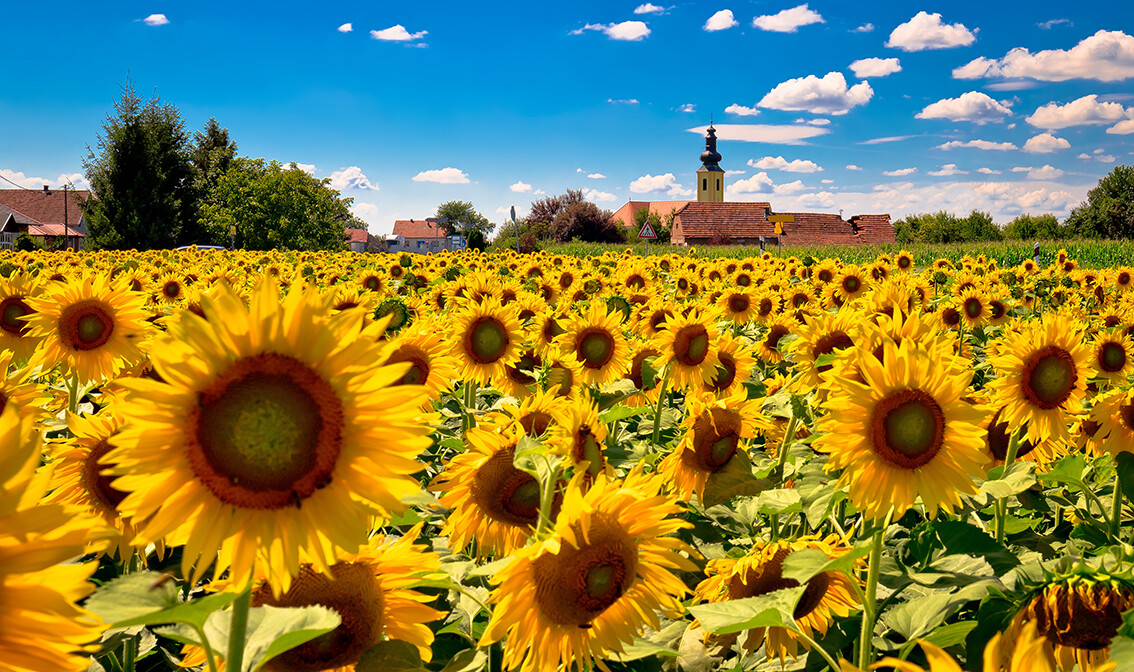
x: 998, y: 439
x: 560, y: 379
x: 691, y: 344
x: 950, y: 316
x: 973, y: 307
x: 595, y: 348
x: 267, y: 433
x: 765, y: 307
x: 1126, y: 413
x: 418, y: 373
x: 486, y: 340
x: 535, y: 423
x: 171, y: 290
x: 86, y: 325
x: 768, y: 578
x: 528, y: 362
x: 98, y: 481
x: 11, y: 310
x: 716, y: 436
x: 851, y: 284
x: 372, y: 283
x: 504, y: 493
x: 523, y: 500
x: 726, y: 373
x: 738, y: 303
x: 636, y: 367
x: 772, y: 340
x: 908, y: 428
x: 1112, y: 357
x: 576, y: 585
x: 1049, y: 377
x: 828, y: 343
x: 997, y: 309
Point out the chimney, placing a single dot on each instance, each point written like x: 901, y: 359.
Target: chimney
x: 46, y: 190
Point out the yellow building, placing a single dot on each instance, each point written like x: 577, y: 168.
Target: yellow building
x: 710, y: 176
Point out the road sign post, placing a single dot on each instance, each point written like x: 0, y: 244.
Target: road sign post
x: 647, y: 234
x: 779, y: 221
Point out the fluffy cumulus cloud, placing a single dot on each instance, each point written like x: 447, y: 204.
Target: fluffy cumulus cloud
x: 1107, y: 56
x: 155, y: 20
x: 308, y: 168
x: 397, y: 33
x: 1122, y: 128
x: 788, y: 20
x: 814, y: 122
x: 651, y: 183
x: 972, y: 106
x: 630, y: 31
x: 1045, y: 172
x: 687, y: 107
x: 1085, y: 111
x: 851, y: 166
x: 1045, y: 143
x: 622, y: 101
x: 780, y: 163
x: 1098, y: 155
x: 875, y: 67
x: 978, y: 144
x: 18, y: 178
x: 78, y: 181
x: 741, y: 111
x: 346, y: 28
x: 864, y: 28
x: 948, y: 170
x: 649, y: 9
x: 521, y: 187
x: 988, y: 171
x: 776, y: 134
x: 596, y: 196
x: 826, y: 95
x: 900, y: 172
x: 596, y: 176
x: 926, y: 31
x: 759, y: 183
x: 722, y: 20
x: 442, y: 176
x: 351, y: 177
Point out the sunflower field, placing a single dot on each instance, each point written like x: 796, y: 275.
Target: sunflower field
x: 217, y: 460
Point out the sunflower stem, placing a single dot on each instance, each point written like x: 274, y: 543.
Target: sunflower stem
x: 470, y: 404
x: 73, y: 393
x: 1002, y: 504
x: 781, y: 459
x: 547, y: 498
x: 237, y: 632
x: 658, y: 408
x: 129, y: 652
x: 815, y: 647
x: 210, y: 657
x: 865, y: 643
x: 1116, y: 509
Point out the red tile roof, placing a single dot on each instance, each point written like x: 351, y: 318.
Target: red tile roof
x: 750, y: 220
x: 724, y: 220
x: 54, y: 230
x: 417, y: 228
x: 357, y: 236
x: 874, y: 229
x: 33, y: 206
x: 814, y: 228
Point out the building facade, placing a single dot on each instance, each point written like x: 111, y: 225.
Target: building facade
x: 50, y: 216
x: 422, y: 236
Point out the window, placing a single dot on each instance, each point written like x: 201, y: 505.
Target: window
x: 704, y: 184
x: 718, y: 184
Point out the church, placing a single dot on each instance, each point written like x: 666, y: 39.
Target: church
x: 710, y: 220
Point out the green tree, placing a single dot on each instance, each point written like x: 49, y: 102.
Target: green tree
x: 587, y: 222
x: 662, y: 225
x: 273, y: 207
x: 213, y: 153
x: 1109, y: 209
x: 979, y: 226
x: 462, y: 218
x: 1029, y: 227
x: 141, y: 177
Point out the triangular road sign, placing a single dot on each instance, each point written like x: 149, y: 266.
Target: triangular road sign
x: 647, y: 232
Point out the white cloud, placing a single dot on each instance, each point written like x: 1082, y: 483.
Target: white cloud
x: 155, y: 20
x: 978, y: 144
x: 789, y: 188
x: 900, y: 172
x: 397, y: 33
x: 1122, y: 128
x: 631, y: 31
x: 827, y: 181
x: 828, y: 95
x: 442, y: 176
x: 346, y: 28
x: 776, y: 134
x: 759, y: 183
x: 864, y: 28
x: 779, y: 163
x: 741, y: 111
x: 814, y: 122
x: 521, y: 187
x: 722, y: 20
x: 23, y: 180
x: 687, y: 107
x: 1085, y: 111
x: 596, y: 196
x: 925, y: 31
x: 649, y: 9
x: 367, y: 212
x: 308, y: 168
x: 948, y: 170
x: 351, y: 177
x: 1097, y: 155
x: 875, y: 67
x: 972, y: 106
x: 988, y: 171
x: 651, y: 183
x: 1046, y: 172
x: 596, y: 176
x: 736, y: 172
x: 1045, y: 143
x: 622, y: 101
x: 788, y: 20
x: 78, y: 181
x: 1107, y: 56
x: 889, y: 138
x: 1047, y: 25
x: 580, y: 170
x: 851, y: 166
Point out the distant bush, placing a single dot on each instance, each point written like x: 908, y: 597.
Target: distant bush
x: 1041, y: 227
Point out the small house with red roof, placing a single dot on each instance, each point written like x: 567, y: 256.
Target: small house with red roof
x: 423, y: 235
x: 49, y: 216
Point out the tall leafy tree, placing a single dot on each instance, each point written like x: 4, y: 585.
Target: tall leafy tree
x: 463, y: 218
x: 273, y: 207
x: 212, y: 156
x: 1109, y: 210
x: 141, y: 177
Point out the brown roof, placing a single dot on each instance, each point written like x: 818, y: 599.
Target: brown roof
x: 750, y: 220
x: 54, y: 230
x: 417, y: 228
x: 816, y: 228
x: 32, y: 206
x: 727, y: 220
x: 357, y: 235
x: 874, y: 229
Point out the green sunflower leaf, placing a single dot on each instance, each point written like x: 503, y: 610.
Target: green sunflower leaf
x: 808, y: 562
x: 150, y: 598
x: 391, y: 656
x: 770, y: 610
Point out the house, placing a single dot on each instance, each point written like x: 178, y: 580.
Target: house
x: 424, y: 235
x: 711, y: 220
x: 361, y: 240
x: 51, y: 216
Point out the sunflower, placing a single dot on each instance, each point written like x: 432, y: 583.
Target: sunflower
x: 687, y: 347
x: 737, y: 304
x: 274, y: 431
x: 15, y: 332
x: 588, y: 588
x: 1043, y: 373
x: 580, y: 437
x: 905, y: 433
x: 734, y: 366
x: 596, y: 342
x: 486, y: 338
x: 493, y: 503
x: 823, y: 334
x: 564, y: 377
x: 89, y: 327
x: 19, y: 390
x: 852, y: 282
x: 973, y: 307
x: 1113, y: 414
x: 1113, y: 357
x: 428, y: 357
x: 714, y: 430
x: 759, y: 572
x: 373, y: 593
x: 522, y: 377
x: 41, y: 625
x: 768, y: 345
x: 647, y: 394
x: 169, y: 289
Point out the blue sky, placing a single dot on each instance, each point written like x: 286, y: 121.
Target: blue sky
x: 893, y: 107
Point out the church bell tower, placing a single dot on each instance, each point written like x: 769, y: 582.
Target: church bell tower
x: 710, y: 176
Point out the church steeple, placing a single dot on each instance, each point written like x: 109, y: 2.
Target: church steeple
x: 710, y: 176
